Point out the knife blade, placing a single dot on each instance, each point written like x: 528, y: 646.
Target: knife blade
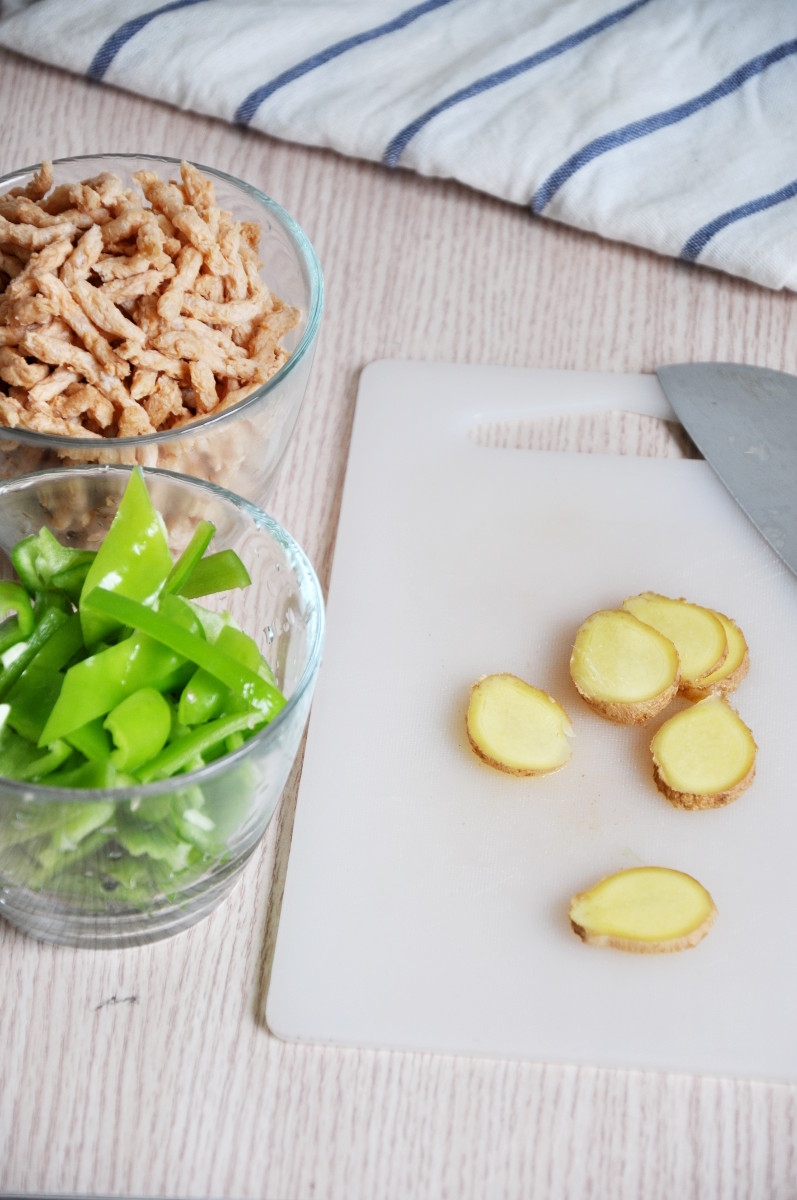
x: 743, y: 420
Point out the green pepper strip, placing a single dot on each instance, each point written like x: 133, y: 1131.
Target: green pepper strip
x: 91, y: 740
x: 52, y: 557
x: 32, y: 698
x: 23, y: 559
x: 139, y: 727
x: 134, y: 557
x: 51, y: 621
x: 89, y: 775
x: 220, y: 572
x: 247, y: 686
x: 190, y: 557
x: 185, y: 751
x: 22, y: 759
x: 10, y: 634
x: 14, y: 598
x: 62, y: 646
x: 94, y: 686
x: 203, y: 697
x: 71, y: 580
x: 54, y: 757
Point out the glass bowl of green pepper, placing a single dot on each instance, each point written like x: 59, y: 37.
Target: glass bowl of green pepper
x: 160, y: 639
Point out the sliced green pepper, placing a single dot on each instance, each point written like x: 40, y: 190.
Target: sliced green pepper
x: 184, y: 753
x: 157, y: 841
x: 31, y: 700
x: 90, y: 775
x: 220, y: 572
x: 246, y: 685
x: 21, y: 759
x: 91, y: 740
x: 190, y: 557
x: 93, y: 687
x: 139, y: 727
x: 62, y: 647
x: 204, y: 697
x: 14, y: 598
x: 23, y: 559
x: 51, y: 621
x: 133, y: 559
x: 77, y: 822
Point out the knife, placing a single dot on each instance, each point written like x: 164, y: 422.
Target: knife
x: 743, y: 421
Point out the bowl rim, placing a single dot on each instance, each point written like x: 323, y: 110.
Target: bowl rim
x: 40, y: 792
x: 311, y: 266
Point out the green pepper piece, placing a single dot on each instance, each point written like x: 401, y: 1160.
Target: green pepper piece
x: 23, y: 559
x: 150, y: 808
x: 76, y: 823
x: 90, y: 775
x: 139, y: 727
x: 212, y: 622
x: 91, y: 740
x: 59, y: 863
x: 133, y: 560
x: 181, y: 611
x: 94, y: 686
x: 192, y: 825
x: 53, y: 558
x: 31, y: 700
x: 203, y: 697
x: 56, y: 754
x: 51, y: 621
x: 14, y: 598
x: 186, y: 752
x: 62, y: 647
x: 246, y: 685
x: 219, y: 572
x: 71, y: 580
x: 157, y: 841
x: 21, y: 759
x: 10, y: 634
x: 190, y: 557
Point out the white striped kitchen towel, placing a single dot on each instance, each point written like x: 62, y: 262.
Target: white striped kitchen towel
x: 670, y: 124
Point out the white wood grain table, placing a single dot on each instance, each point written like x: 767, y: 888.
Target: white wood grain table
x: 151, y: 1072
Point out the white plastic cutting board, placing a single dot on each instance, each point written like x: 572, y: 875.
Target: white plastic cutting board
x: 426, y: 897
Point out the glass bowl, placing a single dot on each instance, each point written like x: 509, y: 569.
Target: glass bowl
x: 240, y: 446
x: 63, y: 876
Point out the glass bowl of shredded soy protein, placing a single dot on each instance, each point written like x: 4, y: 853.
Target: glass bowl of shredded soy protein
x: 152, y: 312
x: 160, y: 640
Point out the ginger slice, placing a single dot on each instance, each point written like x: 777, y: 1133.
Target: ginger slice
x: 648, y: 910
x: 727, y: 677
x: 697, y: 633
x: 704, y: 757
x: 624, y: 668
x: 516, y: 727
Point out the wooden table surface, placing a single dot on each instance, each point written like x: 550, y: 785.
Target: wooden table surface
x: 150, y: 1072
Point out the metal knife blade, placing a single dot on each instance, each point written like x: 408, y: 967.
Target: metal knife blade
x: 743, y: 420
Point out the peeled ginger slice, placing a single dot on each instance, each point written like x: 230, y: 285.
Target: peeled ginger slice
x: 704, y: 757
x: 624, y: 668
x: 696, y: 632
x: 649, y: 910
x: 517, y: 728
x: 728, y: 676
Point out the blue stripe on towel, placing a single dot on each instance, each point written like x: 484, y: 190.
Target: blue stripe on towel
x: 112, y: 45
x: 700, y: 239
x: 399, y: 143
x: 670, y: 116
x: 249, y: 106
